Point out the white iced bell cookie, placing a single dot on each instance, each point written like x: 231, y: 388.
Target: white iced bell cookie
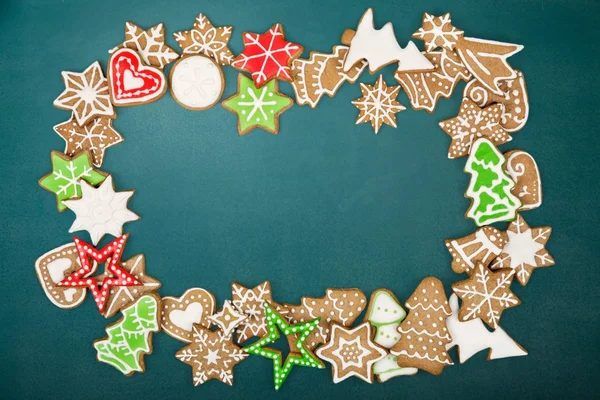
x: 197, y: 82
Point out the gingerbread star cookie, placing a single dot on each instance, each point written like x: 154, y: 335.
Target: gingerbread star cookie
x: 206, y: 39
x: 211, y: 355
x: 227, y: 319
x: 351, y: 352
x: 378, y: 104
x: 525, y: 250
x: 86, y: 94
x: 97, y: 136
x: 251, y: 302
x: 481, y: 246
x: 486, y: 295
x: 438, y: 32
x: 472, y: 123
x: 150, y: 45
x: 267, y: 56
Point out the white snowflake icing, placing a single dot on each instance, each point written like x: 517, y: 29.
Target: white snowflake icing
x: 378, y: 104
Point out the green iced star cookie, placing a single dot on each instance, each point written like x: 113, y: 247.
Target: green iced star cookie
x: 66, y: 174
x: 303, y: 357
x: 257, y: 107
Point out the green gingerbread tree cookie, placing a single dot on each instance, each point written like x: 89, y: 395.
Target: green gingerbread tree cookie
x: 257, y: 107
x: 490, y: 186
x: 130, y: 338
x: 67, y: 172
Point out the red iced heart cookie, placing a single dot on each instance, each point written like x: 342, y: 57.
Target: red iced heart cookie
x: 131, y: 82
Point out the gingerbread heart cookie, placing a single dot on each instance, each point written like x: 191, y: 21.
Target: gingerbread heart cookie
x: 131, y: 82
x: 179, y: 314
x: 53, y: 267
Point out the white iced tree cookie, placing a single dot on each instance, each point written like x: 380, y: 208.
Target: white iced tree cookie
x: 471, y: 337
x: 380, y: 48
x: 101, y: 210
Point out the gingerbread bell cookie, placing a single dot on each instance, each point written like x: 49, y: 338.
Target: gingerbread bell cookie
x: 482, y: 246
x: 179, y: 314
x: 423, y: 334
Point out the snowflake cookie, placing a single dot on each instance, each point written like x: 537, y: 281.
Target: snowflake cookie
x: 267, y: 56
x: 97, y: 136
x: 211, y: 355
x: 525, y: 250
x: 486, y: 295
x: 66, y: 176
x: 351, y: 352
x: 86, y: 94
x: 257, y: 107
x: 101, y: 210
x: 378, y: 104
x: 438, y: 32
x: 150, y: 45
x: 206, y: 39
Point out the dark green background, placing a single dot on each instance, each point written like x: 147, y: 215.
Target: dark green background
x: 323, y: 204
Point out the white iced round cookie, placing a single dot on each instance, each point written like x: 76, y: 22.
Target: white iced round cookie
x: 197, y: 82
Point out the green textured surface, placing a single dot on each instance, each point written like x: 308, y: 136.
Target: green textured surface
x: 323, y: 204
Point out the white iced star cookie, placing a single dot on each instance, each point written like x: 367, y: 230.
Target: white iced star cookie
x: 101, y: 210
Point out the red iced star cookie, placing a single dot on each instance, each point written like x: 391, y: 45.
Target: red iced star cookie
x: 267, y: 56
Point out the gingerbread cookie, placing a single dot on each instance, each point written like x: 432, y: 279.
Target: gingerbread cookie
x: 424, y: 334
x: 438, y: 32
x: 131, y: 82
x: 101, y: 210
x: 130, y: 338
x: 379, y: 47
x: 514, y: 99
x: 481, y: 246
x: 206, y: 39
x: 525, y: 250
x: 114, y: 274
x: 490, y: 187
x: 86, y: 94
x: 378, y: 104
x: 227, y: 319
x: 301, y: 357
x: 95, y: 137
x: 251, y: 302
x: 486, y: 59
x: 322, y: 74
x: 150, y: 45
x: 471, y: 337
x: 197, y: 82
x: 211, y: 355
x: 523, y: 170
x: 425, y: 88
x: 486, y: 295
x: 385, y: 314
x: 66, y: 176
x: 122, y: 297
x: 52, y: 267
x: 472, y: 123
x: 257, y: 107
x: 342, y: 306
x: 267, y: 56
x: 351, y: 352
x: 179, y: 314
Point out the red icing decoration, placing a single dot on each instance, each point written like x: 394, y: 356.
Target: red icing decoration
x: 267, y: 56
x: 131, y: 82
x: 114, y: 275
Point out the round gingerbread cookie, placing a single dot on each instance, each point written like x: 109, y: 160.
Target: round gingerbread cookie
x: 197, y: 82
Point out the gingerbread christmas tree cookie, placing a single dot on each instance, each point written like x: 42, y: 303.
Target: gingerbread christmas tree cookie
x: 525, y: 250
x: 423, y: 334
x: 351, y: 352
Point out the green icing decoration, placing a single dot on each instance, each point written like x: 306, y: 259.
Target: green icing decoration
x: 303, y: 357
x: 66, y: 174
x: 130, y: 337
x: 490, y: 187
x: 257, y: 107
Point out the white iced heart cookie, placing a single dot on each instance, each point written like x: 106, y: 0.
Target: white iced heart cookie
x: 197, y: 82
x: 179, y: 314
